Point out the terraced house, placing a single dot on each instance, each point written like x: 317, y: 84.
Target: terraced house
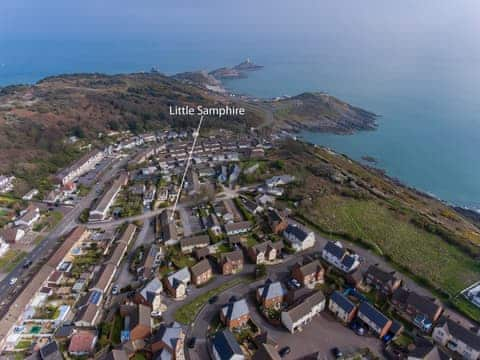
x: 458, y: 339
x: 376, y: 321
x: 342, y: 307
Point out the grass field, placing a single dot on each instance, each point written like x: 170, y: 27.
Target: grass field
x: 423, y: 254
x: 187, y: 313
x: 11, y: 259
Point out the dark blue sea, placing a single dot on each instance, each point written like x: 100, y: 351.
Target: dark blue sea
x: 415, y: 64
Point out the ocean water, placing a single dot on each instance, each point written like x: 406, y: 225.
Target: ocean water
x: 415, y: 64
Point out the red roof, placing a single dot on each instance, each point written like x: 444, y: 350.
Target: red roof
x: 82, y: 342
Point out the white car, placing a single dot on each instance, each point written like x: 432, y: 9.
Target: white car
x: 156, y: 314
x: 13, y: 281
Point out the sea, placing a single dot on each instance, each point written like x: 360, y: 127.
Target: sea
x: 414, y: 64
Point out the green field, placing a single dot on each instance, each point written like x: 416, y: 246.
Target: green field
x: 11, y: 259
x: 187, y: 313
x: 427, y: 256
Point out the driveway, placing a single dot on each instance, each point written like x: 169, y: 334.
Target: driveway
x: 323, y: 334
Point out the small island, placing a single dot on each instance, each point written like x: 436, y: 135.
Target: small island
x: 236, y: 72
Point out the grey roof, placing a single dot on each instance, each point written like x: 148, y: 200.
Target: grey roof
x: 459, y: 332
x: 169, y: 334
x: 235, y: 309
x: 181, y: 276
x: 65, y: 330
x: 342, y: 301
x: 296, y: 231
x: 373, y: 314
x: 334, y: 249
x: 226, y: 346
x: 50, y: 352
x: 423, y: 305
x: 272, y: 290
x: 243, y: 225
x: 195, y: 240
x: 305, y: 306
x: 151, y: 289
x: 380, y: 275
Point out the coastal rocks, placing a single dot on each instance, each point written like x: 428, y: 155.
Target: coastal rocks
x: 237, y: 72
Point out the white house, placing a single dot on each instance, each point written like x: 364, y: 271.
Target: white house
x: 458, y: 339
x: 28, y: 216
x: 301, y: 314
x: 298, y: 238
x: 335, y: 254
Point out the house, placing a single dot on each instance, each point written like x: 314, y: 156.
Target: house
x: 335, y: 254
x: 168, y: 228
x: 375, y: 320
x: 188, y: 244
x: 271, y: 295
x: 83, y: 165
x: 176, y: 283
x: 235, y: 314
x: 298, y: 238
x: 277, y: 222
x: 457, y: 338
x: 201, y: 272
x: 82, y: 343
x: 168, y: 342
x: 309, y: 274
x: 101, y: 210
x: 342, y: 307
x: 237, y: 228
x: 381, y: 280
x: 30, y: 195
x: 88, y: 315
x: 422, y: 310
x: 12, y: 235
x: 425, y: 350
x: 225, y: 347
x: 201, y: 253
x: 3, y: 246
x: 151, y: 294
x: 152, y: 261
x: 214, y: 225
x: 6, y: 183
x: 49, y: 351
x: 64, y: 332
x: 136, y: 319
x: 28, y: 217
x: 279, y: 180
x: 231, y: 262
x: 302, y: 312
x: 265, y: 252
x: 104, y: 278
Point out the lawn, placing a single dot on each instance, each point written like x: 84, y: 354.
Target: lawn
x: 187, y: 313
x: 23, y: 344
x: 11, y: 259
x: 427, y: 256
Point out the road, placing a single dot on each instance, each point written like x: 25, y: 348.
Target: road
x: 50, y: 242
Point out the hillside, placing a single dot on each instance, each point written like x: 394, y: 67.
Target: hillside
x: 36, y: 120
x: 419, y: 235
x: 321, y: 112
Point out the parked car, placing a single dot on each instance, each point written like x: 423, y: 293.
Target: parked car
x: 115, y: 290
x: 357, y: 327
x: 27, y: 264
x: 337, y: 353
x: 191, y: 343
x: 213, y: 299
x: 284, y: 351
x: 13, y: 281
